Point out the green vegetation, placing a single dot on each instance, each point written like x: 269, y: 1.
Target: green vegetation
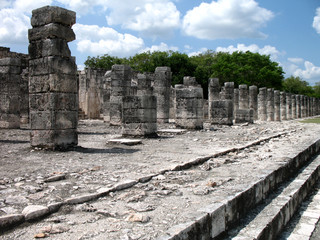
x: 239, y: 67
x: 311, y: 120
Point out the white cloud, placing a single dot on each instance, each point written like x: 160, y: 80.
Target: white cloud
x: 13, y: 26
x: 202, y: 50
x: 226, y: 19
x: 4, y: 4
x: 151, y: 17
x: 83, y: 7
x: 266, y: 50
x: 296, y: 60
x: 96, y: 40
x: 310, y: 73
x: 163, y: 47
x: 28, y: 5
x: 316, y: 21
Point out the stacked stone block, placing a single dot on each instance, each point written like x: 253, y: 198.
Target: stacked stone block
x: 53, y: 91
x: 140, y: 110
x: 253, y: 101
x: 293, y: 106
x: 120, y: 87
x: 213, y: 94
x: 299, y: 108
x: 106, y: 93
x: 189, y: 104
x: 222, y: 108
x: 262, y: 104
x: 10, y: 83
x: 270, y: 104
x: 244, y: 114
x: 283, y: 105
x: 289, y: 105
x: 161, y: 88
x: 277, y: 110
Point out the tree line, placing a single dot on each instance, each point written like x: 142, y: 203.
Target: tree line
x: 238, y: 67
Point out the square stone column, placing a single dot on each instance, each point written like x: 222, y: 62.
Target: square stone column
x: 253, y: 101
x: 53, y: 90
x: 262, y: 104
x: 277, y: 111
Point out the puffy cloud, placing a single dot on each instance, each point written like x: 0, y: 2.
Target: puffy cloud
x: 316, y: 21
x: 227, y: 19
x: 4, y: 4
x: 266, y: 50
x: 296, y: 60
x: 163, y: 47
x: 151, y: 17
x: 28, y: 5
x: 96, y: 40
x: 310, y: 73
x: 83, y: 7
x: 13, y: 26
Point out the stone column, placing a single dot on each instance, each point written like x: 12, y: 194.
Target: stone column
x: 262, y: 104
x: 289, y: 106
x: 270, y: 104
x: 283, y: 106
x: 213, y: 93
x: 277, y: 114
x: 253, y: 101
x: 243, y: 97
x: 53, y: 91
x: 298, y: 104
x: 294, y: 106
x: 161, y: 88
x: 189, y: 104
x: 140, y: 111
x: 120, y: 87
x: 303, y: 106
x: 106, y: 93
x: 236, y: 101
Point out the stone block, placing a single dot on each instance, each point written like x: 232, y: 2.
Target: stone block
x: 51, y: 30
x: 52, y: 65
x: 244, y: 116
x: 49, y: 47
x: 10, y: 103
x: 33, y: 212
x: 54, y: 139
x: 222, y: 112
x: 139, y: 129
x: 131, y: 115
x: 53, y: 102
x: 51, y: 14
x: 15, y: 70
x: 53, y: 83
x: 140, y: 102
x: 9, y: 120
x: 189, y: 123
x: 189, y: 93
x: 10, y: 62
x: 50, y: 120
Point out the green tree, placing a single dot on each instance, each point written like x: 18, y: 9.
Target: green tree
x: 316, y: 89
x: 247, y: 68
x: 105, y: 62
x: 297, y: 86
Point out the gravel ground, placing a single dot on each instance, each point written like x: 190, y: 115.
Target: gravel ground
x: 146, y: 210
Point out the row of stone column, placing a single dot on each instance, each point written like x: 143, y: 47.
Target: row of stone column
x: 276, y: 106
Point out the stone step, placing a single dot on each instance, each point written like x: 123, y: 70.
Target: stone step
x: 280, y: 206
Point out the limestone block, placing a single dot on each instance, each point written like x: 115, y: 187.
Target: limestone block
x: 140, y: 102
x: 139, y: 129
x: 189, y: 123
x: 49, y: 47
x: 244, y: 116
x: 10, y: 103
x: 9, y: 120
x: 11, y: 70
x: 34, y: 212
x: 52, y: 65
x: 119, y: 83
x: 189, y: 81
x: 53, y: 101
x: 54, y: 139
x: 222, y: 112
x: 49, y: 120
x: 52, y: 14
x: 10, y: 62
x: 53, y: 83
x: 51, y: 30
x: 139, y: 115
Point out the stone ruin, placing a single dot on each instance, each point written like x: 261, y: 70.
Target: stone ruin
x: 53, y: 90
x: 42, y: 91
x: 14, y: 107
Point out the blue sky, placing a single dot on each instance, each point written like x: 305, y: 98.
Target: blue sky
x: 287, y: 30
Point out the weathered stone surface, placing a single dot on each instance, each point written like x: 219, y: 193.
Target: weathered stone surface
x: 49, y: 47
x: 52, y: 65
x: 34, y: 212
x: 51, y: 14
x: 51, y: 31
x: 9, y: 61
x: 253, y: 101
x: 82, y: 199
x: 262, y: 104
x: 222, y: 112
x: 51, y: 120
x: 53, y: 83
x: 10, y: 220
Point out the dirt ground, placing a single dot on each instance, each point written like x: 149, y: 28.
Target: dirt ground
x: 146, y: 210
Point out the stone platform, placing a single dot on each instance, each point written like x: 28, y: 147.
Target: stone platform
x: 102, y: 190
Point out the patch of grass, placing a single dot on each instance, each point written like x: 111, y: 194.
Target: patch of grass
x: 311, y: 120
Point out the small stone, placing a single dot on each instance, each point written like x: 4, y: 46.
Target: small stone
x: 33, y: 212
x: 137, y: 217
x: 40, y: 235
x: 16, y: 200
x: 55, y: 178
